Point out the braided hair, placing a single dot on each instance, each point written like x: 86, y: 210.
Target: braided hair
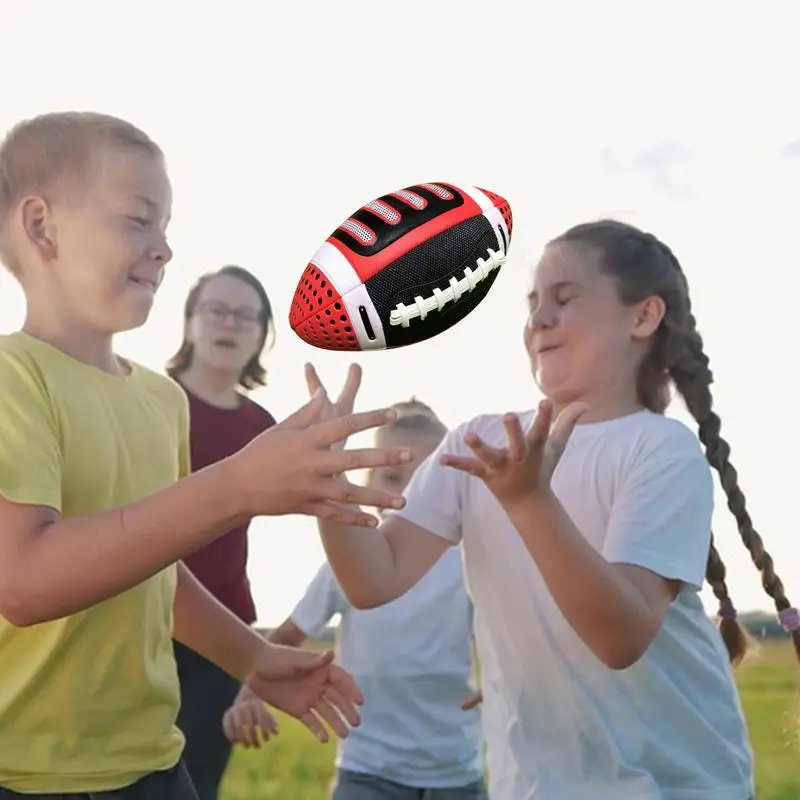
x: 644, y: 266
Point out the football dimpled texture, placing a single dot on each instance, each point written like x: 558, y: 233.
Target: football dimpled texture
x: 403, y: 268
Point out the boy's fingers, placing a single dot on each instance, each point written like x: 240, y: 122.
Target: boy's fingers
x: 313, y: 381
x: 337, y: 430
x: 351, y: 493
x: 314, y: 662
x: 332, y: 716
x: 347, y: 399
x: 228, y: 728
x: 268, y: 722
x: 334, y: 462
x: 345, y: 515
x: 312, y: 722
x: 305, y: 415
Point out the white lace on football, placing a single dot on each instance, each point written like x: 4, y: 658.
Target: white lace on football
x: 422, y: 306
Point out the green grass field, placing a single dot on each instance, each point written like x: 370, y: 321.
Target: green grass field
x: 295, y: 767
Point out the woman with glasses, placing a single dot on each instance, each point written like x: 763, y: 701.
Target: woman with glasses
x: 228, y: 325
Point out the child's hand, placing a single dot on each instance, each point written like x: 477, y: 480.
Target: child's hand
x: 525, y: 466
x: 247, y: 722
x: 346, y: 401
x: 291, y: 468
x: 474, y: 700
x: 308, y: 687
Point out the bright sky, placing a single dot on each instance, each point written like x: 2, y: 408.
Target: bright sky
x: 279, y: 120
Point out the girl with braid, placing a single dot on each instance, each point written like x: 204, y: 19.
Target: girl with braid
x: 586, y: 532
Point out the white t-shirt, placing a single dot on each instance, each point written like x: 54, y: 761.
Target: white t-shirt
x: 560, y: 725
x: 412, y: 660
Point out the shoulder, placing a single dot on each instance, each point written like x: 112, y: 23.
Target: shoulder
x: 658, y: 457
x: 16, y: 348
x: 23, y: 367
x: 657, y: 436
x: 163, y: 388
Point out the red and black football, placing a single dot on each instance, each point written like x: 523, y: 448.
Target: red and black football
x: 403, y: 268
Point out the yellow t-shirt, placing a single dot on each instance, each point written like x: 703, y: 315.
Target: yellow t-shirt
x: 88, y: 702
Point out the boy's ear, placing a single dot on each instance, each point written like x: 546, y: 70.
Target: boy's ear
x: 38, y: 225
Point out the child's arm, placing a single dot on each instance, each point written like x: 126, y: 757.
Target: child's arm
x: 248, y: 715
x: 287, y: 634
x: 300, y: 682
x: 207, y: 627
x: 52, y: 567
x: 376, y: 567
x: 657, y: 539
x: 617, y: 609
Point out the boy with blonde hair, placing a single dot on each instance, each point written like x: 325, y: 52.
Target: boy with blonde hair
x: 420, y: 738
x: 96, y: 504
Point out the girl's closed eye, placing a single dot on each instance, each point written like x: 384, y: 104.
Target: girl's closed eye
x: 142, y: 222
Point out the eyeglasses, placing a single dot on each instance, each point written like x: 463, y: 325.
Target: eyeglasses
x: 218, y: 314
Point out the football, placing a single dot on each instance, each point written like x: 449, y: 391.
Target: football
x: 402, y: 268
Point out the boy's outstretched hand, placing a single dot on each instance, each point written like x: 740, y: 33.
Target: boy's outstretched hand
x: 344, y: 404
x: 248, y: 722
x: 296, y: 466
x: 308, y: 687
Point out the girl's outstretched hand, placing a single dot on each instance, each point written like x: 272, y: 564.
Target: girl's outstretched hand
x: 523, y: 467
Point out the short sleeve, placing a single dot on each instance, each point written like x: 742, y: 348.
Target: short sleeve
x: 661, y: 515
x: 185, y: 445
x: 31, y: 462
x: 435, y: 494
x: 322, y: 600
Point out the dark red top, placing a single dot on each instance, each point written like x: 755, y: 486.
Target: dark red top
x: 217, y: 433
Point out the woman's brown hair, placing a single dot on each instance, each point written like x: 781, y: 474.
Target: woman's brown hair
x: 254, y: 373
x: 643, y: 266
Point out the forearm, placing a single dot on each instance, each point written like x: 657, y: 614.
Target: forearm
x: 207, y: 627
x: 605, y: 609
x: 287, y: 635
x: 363, y: 562
x: 75, y: 563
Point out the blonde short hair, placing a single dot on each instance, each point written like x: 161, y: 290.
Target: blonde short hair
x: 38, y: 156
x: 414, y: 416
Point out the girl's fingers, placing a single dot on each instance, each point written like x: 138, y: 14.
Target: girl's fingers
x: 540, y: 427
x: 516, y: 438
x: 560, y: 433
x: 472, y: 466
x: 493, y: 457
